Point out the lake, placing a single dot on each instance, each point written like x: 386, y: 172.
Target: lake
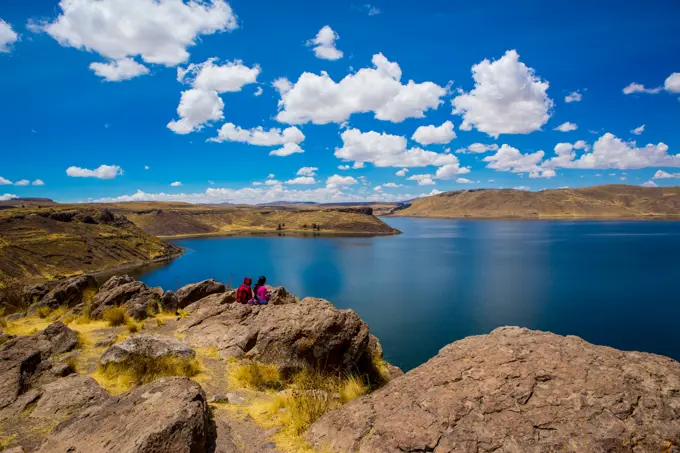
x: 611, y: 283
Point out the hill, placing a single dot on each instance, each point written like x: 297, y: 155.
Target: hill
x: 44, y: 243
x: 601, y: 202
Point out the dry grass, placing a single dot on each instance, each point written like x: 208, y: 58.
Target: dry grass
x: 115, y: 316
x: 256, y: 376
x: 43, y: 312
x: 142, y: 371
x: 12, y: 297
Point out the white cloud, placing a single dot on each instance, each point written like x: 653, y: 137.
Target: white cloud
x: 392, y: 185
x: 548, y: 173
x: 371, y: 10
x: 344, y: 167
x: 212, y: 183
x: 508, y: 98
x: 450, y: 171
x: 340, y: 181
x: 638, y: 130
x: 511, y: 159
x: 423, y: 180
x: 158, y: 31
x: 566, y: 127
x: 402, y: 172
x: 196, y: 109
x: 202, y: 104
x: 477, y: 148
x: 320, y: 100
x: 660, y: 174
x: 324, y: 44
x: 101, y: 172
x: 302, y: 180
x: 229, y: 132
x: 638, y: 88
x: 378, y: 188
x: 307, y: 171
x: 7, y: 37
x: 4, y: 181
x: 358, y: 165
x: 464, y: 181
x: 119, y: 70
x: 7, y: 196
x: 612, y: 152
x: 428, y: 135
x: 672, y: 83
x: 176, y: 184
x: 385, y: 150
x: 146, y: 167
x: 523, y: 188
x: 272, y: 182
x: 38, y: 182
x: 258, y: 92
x: 23, y: 182
x: 573, y: 97
x: 649, y: 184
x: 271, y: 176
x: 287, y: 150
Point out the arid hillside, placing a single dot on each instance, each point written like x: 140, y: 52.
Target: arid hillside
x: 601, y: 202
x: 44, y: 243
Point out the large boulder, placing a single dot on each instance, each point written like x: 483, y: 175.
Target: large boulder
x: 196, y: 291
x: 168, y: 415
x: 146, y: 347
x: 66, y: 396
x: 310, y: 333
x: 516, y: 390
x: 138, y: 299
x: 68, y: 293
x: 280, y: 296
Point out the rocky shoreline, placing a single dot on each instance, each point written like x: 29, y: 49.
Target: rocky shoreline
x: 193, y: 371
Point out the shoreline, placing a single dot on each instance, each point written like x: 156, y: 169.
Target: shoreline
x: 284, y: 233
x: 646, y: 218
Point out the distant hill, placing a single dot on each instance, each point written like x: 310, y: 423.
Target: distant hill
x: 600, y: 202
x: 19, y: 202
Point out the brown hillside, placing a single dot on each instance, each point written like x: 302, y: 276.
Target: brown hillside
x: 42, y: 243
x: 601, y: 202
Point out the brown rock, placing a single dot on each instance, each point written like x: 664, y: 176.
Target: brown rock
x: 136, y: 297
x: 214, y: 300
x: 146, y: 347
x: 516, y: 390
x: 67, y: 293
x: 191, y: 293
x: 169, y: 416
x: 67, y: 396
x: 280, y: 296
x: 310, y: 333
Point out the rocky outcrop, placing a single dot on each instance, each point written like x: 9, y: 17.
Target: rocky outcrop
x: 310, y: 333
x: 516, y: 390
x: 280, y: 296
x: 196, y: 291
x: 66, y: 396
x: 146, y: 347
x: 68, y: 293
x: 138, y: 299
x: 169, y: 415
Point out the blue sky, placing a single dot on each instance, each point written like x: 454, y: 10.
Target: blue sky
x: 90, y: 91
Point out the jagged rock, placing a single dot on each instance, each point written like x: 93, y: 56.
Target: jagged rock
x: 214, y: 300
x: 138, y: 299
x: 15, y: 317
x: 107, y: 340
x: 105, y: 216
x: 24, y: 361
x: 67, y: 293
x: 67, y: 396
x: 191, y: 293
x: 310, y: 333
x: 34, y: 294
x: 516, y: 390
x: 169, y: 301
x: 168, y: 415
x: 147, y: 347
x: 280, y: 296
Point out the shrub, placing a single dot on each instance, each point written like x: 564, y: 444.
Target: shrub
x: 132, y: 326
x: 352, y: 388
x: 256, y: 376
x: 86, y: 316
x: 115, y: 316
x: 160, y: 322
x: 142, y: 370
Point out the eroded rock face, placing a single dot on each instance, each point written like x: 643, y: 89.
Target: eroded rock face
x: 146, y: 347
x: 169, y: 415
x: 310, y: 333
x: 67, y: 396
x: 136, y: 297
x: 67, y: 293
x: 281, y: 296
x: 191, y: 293
x: 516, y: 390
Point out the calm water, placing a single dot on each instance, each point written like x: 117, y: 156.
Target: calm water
x: 612, y: 283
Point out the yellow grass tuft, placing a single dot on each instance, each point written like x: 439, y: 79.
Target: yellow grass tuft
x: 115, y: 316
x: 43, y: 312
x: 352, y: 388
x: 132, y: 326
x: 256, y: 376
x: 140, y: 371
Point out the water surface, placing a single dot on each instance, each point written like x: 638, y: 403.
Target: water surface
x: 612, y: 283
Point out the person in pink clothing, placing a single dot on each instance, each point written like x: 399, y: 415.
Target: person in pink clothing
x: 260, y: 291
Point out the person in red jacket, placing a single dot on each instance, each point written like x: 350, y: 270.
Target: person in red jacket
x: 244, y: 293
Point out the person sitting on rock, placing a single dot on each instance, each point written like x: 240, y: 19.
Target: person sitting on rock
x: 244, y: 293
x: 261, y: 293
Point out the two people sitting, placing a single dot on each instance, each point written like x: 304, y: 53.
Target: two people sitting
x: 259, y: 295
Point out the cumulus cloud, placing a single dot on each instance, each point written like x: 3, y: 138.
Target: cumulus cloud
x: 159, y: 32
x: 336, y: 181
x: 638, y: 88
x: 385, y: 150
x: 522, y: 188
x: 7, y: 37
x: 289, y: 138
x: 38, y: 182
x: 450, y: 171
x: 23, y: 182
x: 118, y: 70
x: 672, y: 83
x: 649, y: 184
x: 638, y: 130
x: 320, y: 100
x: 202, y: 105
x: 566, y: 127
x: 660, y: 174
x: 402, y: 172
x: 324, y: 44
x: 101, y: 172
x: 477, y: 148
x: 429, y: 135
x: 303, y: 180
x: 423, y: 180
x: 176, y: 184
x: 258, y: 92
x: 7, y: 196
x: 307, y: 171
x: 508, y: 98
x: 4, y: 181
x: 511, y: 159
x: 287, y: 150
x: 573, y: 97
x: 548, y: 173
x: 464, y: 181
x: 392, y: 185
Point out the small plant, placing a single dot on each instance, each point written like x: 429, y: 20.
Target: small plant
x: 352, y: 388
x: 3, y: 322
x: 256, y: 376
x: 86, y: 316
x: 142, y: 370
x: 160, y: 322
x: 115, y: 316
x: 132, y: 326
x: 43, y: 312
x: 181, y: 313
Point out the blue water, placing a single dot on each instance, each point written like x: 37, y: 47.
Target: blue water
x: 612, y: 283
